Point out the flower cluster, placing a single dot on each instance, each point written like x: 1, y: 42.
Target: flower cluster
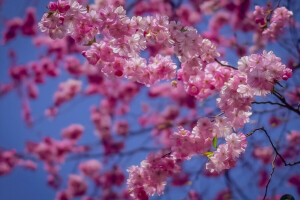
x: 226, y: 154
x: 68, y: 17
x: 73, y: 132
x: 10, y: 159
x: 195, y: 53
x: 66, y: 91
x: 263, y: 71
x: 118, y: 53
x: 235, y: 100
x: 256, y: 76
x: 280, y: 18
x: 151, y: 177
x: 203, y: 83
x: 186, y: 144
x: 26, y: 26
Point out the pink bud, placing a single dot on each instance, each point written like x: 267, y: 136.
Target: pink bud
x: 260, y: 21
x: 179, y: 74
x: 193, y: 90
x: 63, y: 6
x: 61, y: 19
x: 52, y: 6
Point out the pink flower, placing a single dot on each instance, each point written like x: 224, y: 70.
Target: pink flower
x: 264, y: 154
x: 293, y: 137
x: 73, y: 132
x: 280, y: 18
x: 274, y: 121
x: 66, y: 91
x: 63, y: 195
x: 90, y: 168
x: 76, y: 186
x: 122, y: 128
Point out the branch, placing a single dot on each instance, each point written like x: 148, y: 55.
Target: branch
x: 275, y: 149
x: 273, y: 169
x: 224, y: 65
x: 268, y: 102
x: 285, y: 103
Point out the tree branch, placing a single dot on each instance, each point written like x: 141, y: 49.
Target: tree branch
x: 285, y: 103
x: 224, y: 65
x: 268, y: 102
x: 269, y: 180
x: 275, y: 149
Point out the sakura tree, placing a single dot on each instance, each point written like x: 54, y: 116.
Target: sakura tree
x: 151, y: 99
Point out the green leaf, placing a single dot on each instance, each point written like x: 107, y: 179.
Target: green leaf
x: 287, y: 197
x: 50, y: 13
x: 208, y: 154
x: 215, y: 141
x: 264, y: 26
x: 183, y: 30
x: 90, y: 42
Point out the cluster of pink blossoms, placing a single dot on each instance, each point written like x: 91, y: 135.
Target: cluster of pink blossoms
x: 235, y: 100
x: 203, y: 83
x: 53, y: 152
x: 280, y: 18
x: 68, y: 17
x: 256, y: 76
x: 10, y: 159
x: 151, y: 177
x: 117, y: 54
x: 263, y: 71
x: 227, y: 154
x: 26, y: 26
x: 66, y: 91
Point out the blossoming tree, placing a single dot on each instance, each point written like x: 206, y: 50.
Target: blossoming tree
x: 207, y: 90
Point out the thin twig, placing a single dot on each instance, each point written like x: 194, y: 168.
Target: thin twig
x: 224, y: 65
x: 285, y: 103
x: 268, y: 102
x: 273, y: 169
x: 275, y: 149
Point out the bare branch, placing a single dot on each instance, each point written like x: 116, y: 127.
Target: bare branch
x: 269, y: 180
x: 224, y: 65
x: 275, y: 149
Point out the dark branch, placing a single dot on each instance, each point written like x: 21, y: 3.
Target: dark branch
x: 275, y: 149
x: 224, y: 65
x: 268, y: 102
x: 285, y: 103
x: 269, y: 180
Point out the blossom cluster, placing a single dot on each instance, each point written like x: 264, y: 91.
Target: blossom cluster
x: 226, y: 154
x: 263, y: 71
x: 279, y: 19
x: 26, y: 26
x: 151, y: 177
x: 118, y: 53
x: 66, y: 91
x: 235, y: 100
x: 256, y: 76
x: 203, y: 83
x: 10, y: 159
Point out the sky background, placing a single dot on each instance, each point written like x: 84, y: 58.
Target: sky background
x: 28, y: 185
